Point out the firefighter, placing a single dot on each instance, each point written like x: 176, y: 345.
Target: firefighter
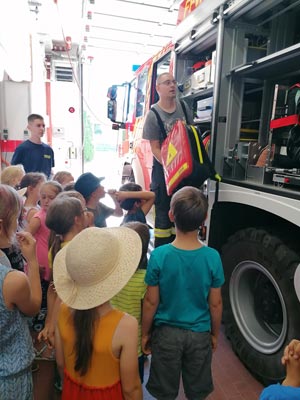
x: 170, y: 110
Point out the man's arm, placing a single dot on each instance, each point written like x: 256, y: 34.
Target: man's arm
x: 156, y: 149
x: 215, y: 308
x: 17, y: 157
x: 150, y: 305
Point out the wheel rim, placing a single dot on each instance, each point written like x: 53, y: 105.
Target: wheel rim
x: 258, y: 307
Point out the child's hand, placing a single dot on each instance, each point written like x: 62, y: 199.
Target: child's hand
x: 47, y: 335
x: 146, y: 346
x: 214, y: 342
x: 27, y: 245
x: 291, y: 350
x: 112, y: 192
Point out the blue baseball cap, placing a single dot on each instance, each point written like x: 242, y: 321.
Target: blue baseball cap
x: 87, y: 183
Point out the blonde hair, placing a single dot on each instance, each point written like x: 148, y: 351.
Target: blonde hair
x: 63, y: 177
x: 10, y: 206
x: 12, y: 173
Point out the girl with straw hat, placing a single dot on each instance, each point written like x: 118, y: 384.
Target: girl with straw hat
x: 96, y: 345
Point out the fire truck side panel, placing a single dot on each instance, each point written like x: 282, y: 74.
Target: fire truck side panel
x: 251, y: 51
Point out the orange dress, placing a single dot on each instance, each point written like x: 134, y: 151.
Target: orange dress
x: 102, y: 381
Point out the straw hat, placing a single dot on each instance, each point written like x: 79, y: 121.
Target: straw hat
x: 96, y: 265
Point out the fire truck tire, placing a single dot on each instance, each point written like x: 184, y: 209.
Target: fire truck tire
x: 261, y: 310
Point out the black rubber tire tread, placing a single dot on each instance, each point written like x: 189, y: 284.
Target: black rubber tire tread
x: 269, y: 251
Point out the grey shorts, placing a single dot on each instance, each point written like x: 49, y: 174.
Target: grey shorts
x: 178, y: 352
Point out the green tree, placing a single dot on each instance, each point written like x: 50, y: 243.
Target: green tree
x: 88, y: 147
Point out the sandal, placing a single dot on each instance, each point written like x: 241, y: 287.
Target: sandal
x: 44, y: 353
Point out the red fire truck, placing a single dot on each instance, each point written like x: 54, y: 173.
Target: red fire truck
x: 237, y: 67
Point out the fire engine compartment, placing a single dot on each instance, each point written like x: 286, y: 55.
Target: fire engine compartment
x: 255, y: 114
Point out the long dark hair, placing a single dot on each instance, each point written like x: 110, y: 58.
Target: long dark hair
x: 84, y: 325
x: 60, y: 219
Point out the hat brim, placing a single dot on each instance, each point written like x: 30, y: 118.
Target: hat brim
x: 21, y: 192
x: 87, y: 297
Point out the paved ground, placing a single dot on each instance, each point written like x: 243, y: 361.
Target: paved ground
x: 231, y: 379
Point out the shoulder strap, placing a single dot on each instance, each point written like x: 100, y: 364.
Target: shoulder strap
x: 183, y: 106
x: 160, y: 123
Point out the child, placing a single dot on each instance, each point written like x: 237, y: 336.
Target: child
x: 96, y: 345
x: 37, y: 227
x: 90, y: 188
x: 12, y: 175
x: 66, y: 216
x: 20, y: 295
x: 290, y: 387
x: 33, y: 182
x: 184, y: 302
x: 136, y: 201
x: 130, y: 298
x: 63, y: 177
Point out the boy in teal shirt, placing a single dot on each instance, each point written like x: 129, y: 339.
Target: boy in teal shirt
x: 183, y: 304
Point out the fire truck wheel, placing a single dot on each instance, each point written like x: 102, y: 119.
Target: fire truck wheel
x: 261, y: 310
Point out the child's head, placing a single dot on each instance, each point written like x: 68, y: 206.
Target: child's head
x: 49, y: 190
x: 63, y: 177
x: 143, y: 231
x: 69, y: 187
x: 108, y: 257
x: 75, y: 194
x: 89, y: 185
x: 12, y: 175
x: 188, y: 209
x: 10, y: 207
x: 128, y: 204
x: 63, y: 212
x: 89, y: 216
x: 33, y: 182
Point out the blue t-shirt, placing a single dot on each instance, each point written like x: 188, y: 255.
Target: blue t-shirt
x: 279, y: 392
x: 185, y: 278
x: 137, y: 216
x: 34, y: 157
x: 101, y: 213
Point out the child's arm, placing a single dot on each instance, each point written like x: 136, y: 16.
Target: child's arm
x: 130, y: 380
x: 30, y: 214
x: 292, y: 349
x: 292, y: 372
x: 215, y: 307
x: 34, y: 225
x: 150, y: 305
x: 47, y: 334
x: 59, y: 353
x: 20, y: 290
x: 118, y: 210
x: 146, y: 195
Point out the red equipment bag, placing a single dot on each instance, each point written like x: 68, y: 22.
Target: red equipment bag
x: 176, y: 157
x: 184, y: 158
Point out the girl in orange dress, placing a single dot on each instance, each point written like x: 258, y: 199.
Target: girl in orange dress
x: 96, y: 345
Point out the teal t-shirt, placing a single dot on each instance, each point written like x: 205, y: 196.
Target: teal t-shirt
x: 185, y: 278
